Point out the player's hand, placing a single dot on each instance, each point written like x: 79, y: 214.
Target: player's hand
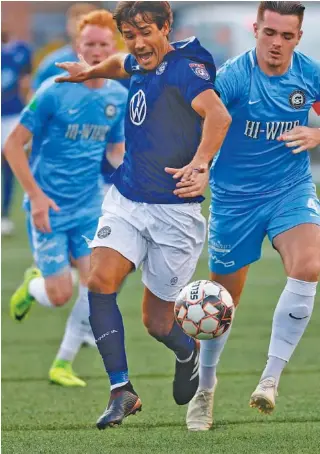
x: 188, y: 172
x: 78, y: 71
x: 40, y: 206
x: 194, y: 187
x: 301, y: 138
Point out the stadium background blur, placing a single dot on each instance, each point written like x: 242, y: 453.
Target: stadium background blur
x: 42, y: 418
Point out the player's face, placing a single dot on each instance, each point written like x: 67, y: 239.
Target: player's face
x: 277, y: 35
x: 95, y: 44
x: 146, y: 42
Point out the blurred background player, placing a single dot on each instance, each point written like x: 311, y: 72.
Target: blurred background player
x: 47, y: 67
x: 262, y: 185
x: 174, y: 119
x: 71, y: 126
x: 15, y: 82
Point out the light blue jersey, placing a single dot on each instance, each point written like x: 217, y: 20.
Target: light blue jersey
x: 71, y: 126
x: 259, y: 187
x: 251, y: 161
x: 48, y: 68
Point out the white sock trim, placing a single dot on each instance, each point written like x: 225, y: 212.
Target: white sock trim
x: 37, y: 289
x: 118, y: 385
x: 302, y: 288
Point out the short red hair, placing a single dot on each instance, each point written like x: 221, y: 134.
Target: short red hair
x: 100, y: 17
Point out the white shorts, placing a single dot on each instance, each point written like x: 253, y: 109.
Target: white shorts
x: 7, y: 126
x: 166, y: 240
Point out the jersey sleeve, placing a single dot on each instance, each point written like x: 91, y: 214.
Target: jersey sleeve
x: 228, y: 84
x: 191, y: 79
x: 40, y: 109
x: 116, y: 134
x: 130, y: 64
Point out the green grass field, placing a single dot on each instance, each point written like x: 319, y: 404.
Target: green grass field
x: 41, y: 418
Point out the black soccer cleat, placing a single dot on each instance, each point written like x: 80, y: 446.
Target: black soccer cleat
x: 122, y: 403
x: 186, y: 379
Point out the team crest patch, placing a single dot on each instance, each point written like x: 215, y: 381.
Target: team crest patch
x: 200, y: 70
x: 104, y: 232
x: 297, y: 99
x: 161, y: 68
x: 110, y: 110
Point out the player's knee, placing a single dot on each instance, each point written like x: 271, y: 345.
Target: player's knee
x: 102, y: 281
x: 155, y: 327
x: 306, y: 269
x: 58, y: 296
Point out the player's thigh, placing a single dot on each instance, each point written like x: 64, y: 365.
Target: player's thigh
x: 294, y: 232
x: 177, y: 239
x: 51, y: 256
x: 235, y: 235
x: 50, y: 250
x: 233, y: 282
x: 118, y: 245
x: 157, y: 314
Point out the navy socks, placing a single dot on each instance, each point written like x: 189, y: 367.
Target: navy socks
x: 107, y: 327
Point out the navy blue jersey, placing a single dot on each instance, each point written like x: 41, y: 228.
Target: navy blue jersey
x: 15, y: 63
x: 161, y: 128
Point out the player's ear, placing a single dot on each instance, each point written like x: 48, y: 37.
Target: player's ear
x: 166, y: 29
x: 300, y: 35
x: 255, y: 29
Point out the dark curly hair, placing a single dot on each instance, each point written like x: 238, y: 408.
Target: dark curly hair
x: 151, y: 12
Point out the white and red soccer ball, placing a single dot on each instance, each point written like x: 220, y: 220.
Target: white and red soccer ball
x: 204, y: 309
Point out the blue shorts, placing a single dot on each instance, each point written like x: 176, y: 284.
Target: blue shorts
x: 52, y: 251
x: 237, y: 228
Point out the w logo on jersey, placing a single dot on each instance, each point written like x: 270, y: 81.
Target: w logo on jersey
x: 138, y: 108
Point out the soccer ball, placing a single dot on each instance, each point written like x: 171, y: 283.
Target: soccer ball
x: 204, y: 309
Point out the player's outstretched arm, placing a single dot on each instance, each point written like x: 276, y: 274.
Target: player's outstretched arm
x: 301, y: 138
x: 16, y: 156
x: 111, y: 68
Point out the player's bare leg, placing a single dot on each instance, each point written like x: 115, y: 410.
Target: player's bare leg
x: 299, y: 249
x: 76, y: 332
x: 200, y: 410
x: 158, y: 318
x: 108, y: 270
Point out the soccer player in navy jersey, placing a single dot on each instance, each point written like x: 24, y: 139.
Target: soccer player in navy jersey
x: 174, y: 119
x: 71, y: 126
x: 262, y: 185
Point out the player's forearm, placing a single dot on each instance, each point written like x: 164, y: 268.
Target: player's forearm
x: 111, y: 68
x: 215, y: 128
x: 18, y: 161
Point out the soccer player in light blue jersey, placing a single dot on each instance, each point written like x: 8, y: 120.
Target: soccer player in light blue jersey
x: 174, y: 120
x: 261, y: 185
x: 71, y: 126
